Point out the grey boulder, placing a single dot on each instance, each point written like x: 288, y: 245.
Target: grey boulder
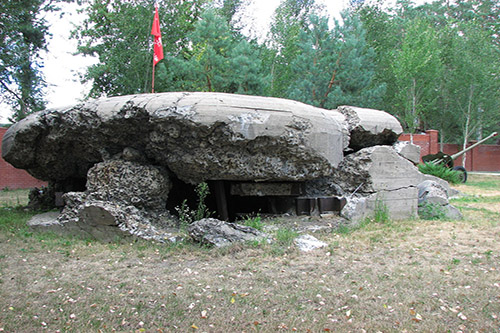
x: 219, y: 233
x: 433, y: 202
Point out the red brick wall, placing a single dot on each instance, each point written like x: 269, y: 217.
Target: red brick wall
x: 481, y: 158
x: 13, y: 178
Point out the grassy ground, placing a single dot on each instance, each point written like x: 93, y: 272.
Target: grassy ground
x: 413, y: 275
x: 11, y: 198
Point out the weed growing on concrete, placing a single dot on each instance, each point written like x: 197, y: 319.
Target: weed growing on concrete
x: 187, y: 215
x: 202, y: 211
x: 431, y: 211
x: 381, y: 214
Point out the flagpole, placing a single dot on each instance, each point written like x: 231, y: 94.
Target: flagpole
x: 153, y: 82
x: 158, y: 45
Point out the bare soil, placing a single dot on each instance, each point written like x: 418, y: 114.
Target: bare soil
x: 405, y: 276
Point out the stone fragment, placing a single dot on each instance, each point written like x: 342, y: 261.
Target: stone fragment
x: 49, y: 222
x: 143, y: 186
x: 308, y: 243
x: 219, y: 233
x: 433, y: 202
x: 408, y: 150
x: 432, y: 192
x: 368, y: 127
x: 382, y: 177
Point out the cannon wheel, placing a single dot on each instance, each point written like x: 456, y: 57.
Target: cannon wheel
x: 462, y: 171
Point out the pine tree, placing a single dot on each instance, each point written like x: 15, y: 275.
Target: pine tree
x: 335, y: 67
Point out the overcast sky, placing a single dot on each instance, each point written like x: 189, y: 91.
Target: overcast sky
x: 62, y: 68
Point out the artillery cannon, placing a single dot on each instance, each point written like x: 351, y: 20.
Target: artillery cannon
x: 447, y: 160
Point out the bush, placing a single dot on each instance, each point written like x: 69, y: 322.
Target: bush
x: 438, y: 170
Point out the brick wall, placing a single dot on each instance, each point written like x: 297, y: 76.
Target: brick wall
x: 13, y: 178
x: 482, y: 158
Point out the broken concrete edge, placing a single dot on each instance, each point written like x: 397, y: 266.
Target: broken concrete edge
x: 49, y: 222
x: 433, y: 202
x: 219, y: 233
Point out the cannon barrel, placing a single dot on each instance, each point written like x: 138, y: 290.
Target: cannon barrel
x: 460, y: 153
x: 441, y: 158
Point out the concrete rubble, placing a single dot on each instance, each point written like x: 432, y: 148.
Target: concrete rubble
x: 433, y: 202
x: 124, y: 163
x: 220, y: 233
x: 306, y: 243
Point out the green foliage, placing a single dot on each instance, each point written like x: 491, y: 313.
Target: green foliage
x: 335, y: 67
x: 416, y: 66
x: 23, y: 32
x: 440, y: 171
x: 285, y: 236
x: 439, y: 63
x: 118, y: 33
x: 381, y: 213
x: 254, y: 222
x: 202, y: 211
x: 187, y: 215
x: 430, y: 211
x: 290, y: 18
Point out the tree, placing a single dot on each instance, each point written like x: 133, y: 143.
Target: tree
x: 216, y: 60
x: 289, y: 19
x: 23, y: 35
x: 335, y: 67
x: 118, y: 33
x: 417, y: 70
x: 473, y: 89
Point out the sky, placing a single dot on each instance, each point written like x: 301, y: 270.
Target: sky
x: 62, y: 69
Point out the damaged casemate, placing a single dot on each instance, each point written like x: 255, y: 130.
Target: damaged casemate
x: 128, y: 161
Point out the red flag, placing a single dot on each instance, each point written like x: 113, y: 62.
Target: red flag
x: 155, y: 31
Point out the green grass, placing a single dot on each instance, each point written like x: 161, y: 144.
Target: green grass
x: 384, y: 275
x: 484, y: 182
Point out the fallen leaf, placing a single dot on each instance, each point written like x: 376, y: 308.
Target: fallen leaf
x: 204, y: 314
x: 232, y: 300
x: 194, y: 327
x: 462, y: 316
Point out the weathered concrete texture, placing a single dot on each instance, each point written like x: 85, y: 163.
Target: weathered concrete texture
x: 219, y: 233
x: 106, y: 220
x: 408, y: 150
x: 143, y: 186
x: 400, y: 204
x: 121, y: 197
x: 375, y: 169
x: 267, y: 189
x: 368, y: 127
x: 130, y: 149
x: 380, y: 176
x: 433, y: 202
x: 198, y: 136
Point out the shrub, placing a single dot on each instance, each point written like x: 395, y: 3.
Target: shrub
x: 441, y: 171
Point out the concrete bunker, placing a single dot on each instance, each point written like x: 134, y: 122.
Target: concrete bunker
x: 140, y: 156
